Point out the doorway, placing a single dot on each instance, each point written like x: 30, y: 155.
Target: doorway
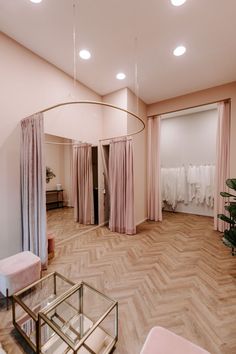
x: 188, y: 156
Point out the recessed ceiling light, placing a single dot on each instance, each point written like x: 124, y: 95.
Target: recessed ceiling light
x: 36, y: 1
x: 120, y: 76
x: 180, y: 50
x: 177, y: 2
x: 84, y: 54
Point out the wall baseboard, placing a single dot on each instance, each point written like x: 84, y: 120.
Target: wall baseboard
x: 89, y: 230
x: 140, y: 222
x: 81, y: 233
x: 104, y: 223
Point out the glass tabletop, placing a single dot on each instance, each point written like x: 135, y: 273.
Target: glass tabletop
x: 31, y: 300
x: 83, y: 317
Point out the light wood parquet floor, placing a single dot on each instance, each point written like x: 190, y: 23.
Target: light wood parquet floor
x: 61, y: 223
x: 176, y: 274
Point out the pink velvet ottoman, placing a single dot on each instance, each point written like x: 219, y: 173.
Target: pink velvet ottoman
x: 18, y: 271
x: 162, y: 341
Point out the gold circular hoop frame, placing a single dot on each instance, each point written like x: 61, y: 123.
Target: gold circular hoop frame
x: 101, y: 104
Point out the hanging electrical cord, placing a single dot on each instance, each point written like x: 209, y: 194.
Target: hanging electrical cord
x: 73, y: 102
x: 74, y: 46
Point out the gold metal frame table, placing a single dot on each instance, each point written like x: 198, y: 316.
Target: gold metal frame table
x: 57, y: 316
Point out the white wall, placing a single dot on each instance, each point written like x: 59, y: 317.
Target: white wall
x: 189, y: 139
x: 28, y: 84
x: 207, y: 96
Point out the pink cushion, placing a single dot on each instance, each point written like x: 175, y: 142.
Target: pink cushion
x: 162, y: 341
x: 18, y: 271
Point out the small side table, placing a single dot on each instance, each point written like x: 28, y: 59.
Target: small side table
x: 54, y: 199
x: 54, y: 315
x: 27, y: 303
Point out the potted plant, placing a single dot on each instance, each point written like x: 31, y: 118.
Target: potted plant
x: 49, y: 174
x: 229, y: 237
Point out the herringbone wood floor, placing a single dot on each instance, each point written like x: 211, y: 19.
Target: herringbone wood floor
x: 61, y: 223
x: 175, y: 274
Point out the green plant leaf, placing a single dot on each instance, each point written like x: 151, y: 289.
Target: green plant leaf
x: 226, y: 219
x: 227, y: 243
x: 231, y: 209
x: 231, y: 183
x: 226, y: 195
x: 230, y: 235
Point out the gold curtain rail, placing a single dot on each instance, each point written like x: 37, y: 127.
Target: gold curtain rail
x: 105, y: 104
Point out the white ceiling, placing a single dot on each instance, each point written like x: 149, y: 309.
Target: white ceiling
x: 108, y: 28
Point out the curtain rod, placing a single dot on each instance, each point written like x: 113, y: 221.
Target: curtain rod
x: 57, y: 143
x: 190, y: 107
x: 68, y: 144
x: 105, y: 104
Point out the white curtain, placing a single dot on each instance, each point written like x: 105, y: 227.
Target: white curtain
x: 222, y: 162
x: 32, y: 184
x: 154, y: 170
x: 83, y: 184
x: 121, y: 186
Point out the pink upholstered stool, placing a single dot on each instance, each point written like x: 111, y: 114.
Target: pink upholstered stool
x: 162, y: 341
x: 51, y: 245
x: 18, y: 271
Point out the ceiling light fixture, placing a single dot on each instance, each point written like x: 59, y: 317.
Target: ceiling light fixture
x: 177, y: 2
x: 84, y: 54
x: 180, y: 50
x: 120, y: 76
x: 36, y: 1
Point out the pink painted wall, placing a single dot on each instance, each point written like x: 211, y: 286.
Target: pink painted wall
x: 28, y: 84
x: 117, y: 123
x: 203, y: 97
x: 140, y: 155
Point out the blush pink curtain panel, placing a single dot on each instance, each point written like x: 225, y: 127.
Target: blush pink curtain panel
x: 222, y: 162
x: 121, y: 186
x: 32, y: 185
x: 104, y: 149
x: 154, y: 169
x: 83, y: 184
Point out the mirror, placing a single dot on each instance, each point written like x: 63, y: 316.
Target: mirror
x: 59, y: 189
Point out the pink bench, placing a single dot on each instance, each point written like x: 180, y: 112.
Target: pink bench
x: 18, y: 271
x: 162, y: 341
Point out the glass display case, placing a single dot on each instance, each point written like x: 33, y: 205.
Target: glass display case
x: 77, y: 319
x: 28, y: 302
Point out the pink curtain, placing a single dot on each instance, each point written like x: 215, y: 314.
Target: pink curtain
x: 83, y: 184
x: 32, y: 185
x: 222, y: 162
x: 121, y: 186
x: 105, y: 161
x: 153, y: 169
